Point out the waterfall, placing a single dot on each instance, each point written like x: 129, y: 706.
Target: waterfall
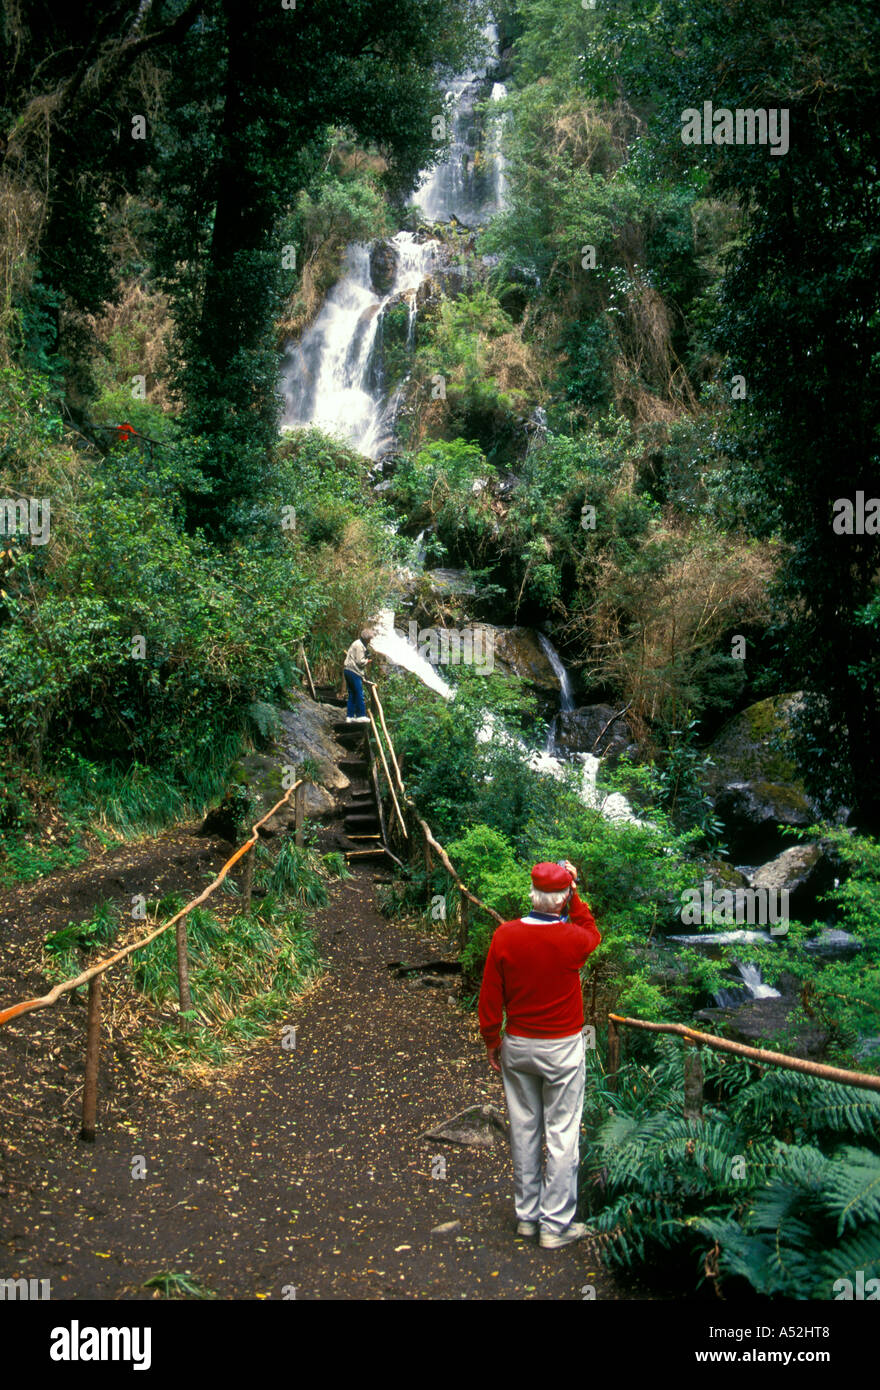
x: 566, y: 699
x: 388, y: 642
x: 332, y: 377
x: 613, y: 805
x: 329, y: 377
x: 751, y: 983
x: 470, y: 182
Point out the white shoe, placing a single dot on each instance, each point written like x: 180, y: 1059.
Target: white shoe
x: 361, y: 719
x: 548, y: 1241
x: 527, y: 1228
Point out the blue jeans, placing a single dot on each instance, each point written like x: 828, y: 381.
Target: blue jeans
x: 356, y: 707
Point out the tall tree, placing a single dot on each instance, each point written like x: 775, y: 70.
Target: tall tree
x: 801, y: 313
x: 72, y: 78
x: 255, y: 90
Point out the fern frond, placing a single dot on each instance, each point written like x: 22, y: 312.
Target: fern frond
x: 859, y: 1252
x: 851, y: 1190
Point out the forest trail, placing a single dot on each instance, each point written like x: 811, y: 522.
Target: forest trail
x: 298, y: 1169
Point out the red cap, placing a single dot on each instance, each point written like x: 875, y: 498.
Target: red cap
x: 551, y: 878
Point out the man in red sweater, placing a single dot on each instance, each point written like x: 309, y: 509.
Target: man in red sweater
x: 532, y: 973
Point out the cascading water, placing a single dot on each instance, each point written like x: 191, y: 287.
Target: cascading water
x: 752, y: 987
x: 332, y: 377
x: 388, y: 642
x: 470, y: 182
x: 393, y: 644
x: 566, y: 699
x: 328, y: 377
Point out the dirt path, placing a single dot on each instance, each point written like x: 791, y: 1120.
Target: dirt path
x: 300, y: 1169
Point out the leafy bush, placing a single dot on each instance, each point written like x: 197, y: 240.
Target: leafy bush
x: 726, y: 1197
x: 136, y: 655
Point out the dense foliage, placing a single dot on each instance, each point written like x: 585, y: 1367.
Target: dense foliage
x: 629, y: 407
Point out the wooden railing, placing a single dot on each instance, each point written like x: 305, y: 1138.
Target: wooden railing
x: 415, y: 835
x: 754, y: 1054
x: 94, y: 975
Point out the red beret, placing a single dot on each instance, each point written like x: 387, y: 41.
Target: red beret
x: 551, y: 878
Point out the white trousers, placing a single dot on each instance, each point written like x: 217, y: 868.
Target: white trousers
x: 544, y: 1085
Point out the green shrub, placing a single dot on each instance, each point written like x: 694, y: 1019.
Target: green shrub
x: 725, y: 1196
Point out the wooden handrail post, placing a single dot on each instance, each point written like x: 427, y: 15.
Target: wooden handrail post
x: 247, y: 879
x: 308, y: 670
x: 613, y: 1054
x: 93, y: 1048
x: 183, y: 992
x: 402, y: 822
x: 388, y: 737
x: 693, y: 1083
x: 299, y: 811
x: 463, y: 919
x: 429, y: 858
x: 432, y: 844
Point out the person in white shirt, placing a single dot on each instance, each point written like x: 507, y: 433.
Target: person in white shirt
x: 355, y: 669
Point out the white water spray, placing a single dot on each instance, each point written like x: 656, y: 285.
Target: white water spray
x: 566, y: 699
x: 328, y: 378
x: 391, y: 643
x: 470, y: 182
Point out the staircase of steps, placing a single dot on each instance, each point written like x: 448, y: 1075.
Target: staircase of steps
x: 358, y: 832
x: 329, y: 695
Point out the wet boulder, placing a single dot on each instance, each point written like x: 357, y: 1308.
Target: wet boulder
x: 754, y: 781
x: 765, y: 1023
x: 833, y: 944
x: 592, y: 729
x: 383, y: 266
x: 518, y: 652
x: 803, y: 872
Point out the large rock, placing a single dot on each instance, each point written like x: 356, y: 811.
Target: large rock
x: 517, y: 651
x: 754, y: 783
x: 307, y: 734
x: 256, y: 781
x: 758, y: 1023
x: 383, y: 266
x: 592, y: 729
x: 834, y: 944
x: 803, y: 872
